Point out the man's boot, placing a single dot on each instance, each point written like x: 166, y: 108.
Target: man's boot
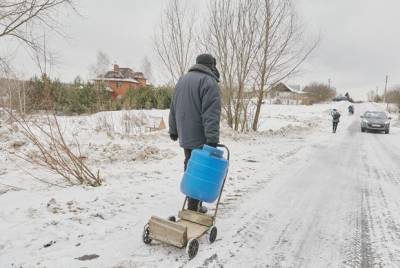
x: 196, y: 205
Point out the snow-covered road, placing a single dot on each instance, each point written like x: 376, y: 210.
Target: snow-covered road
x: 336, y: 205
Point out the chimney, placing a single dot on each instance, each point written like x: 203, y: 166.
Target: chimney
x: 116, y: 68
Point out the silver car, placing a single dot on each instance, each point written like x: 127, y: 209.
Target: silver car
x: 375, y: 121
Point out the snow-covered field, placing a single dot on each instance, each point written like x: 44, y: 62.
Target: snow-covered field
x: 296, y: 196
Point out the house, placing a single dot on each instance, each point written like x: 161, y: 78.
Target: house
x: 119, y: 80
x: 282, y: 93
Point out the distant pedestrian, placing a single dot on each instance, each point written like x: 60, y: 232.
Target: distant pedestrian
x: 351, y: 109
x: 335, y: 119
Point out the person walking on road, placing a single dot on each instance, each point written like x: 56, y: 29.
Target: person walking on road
x: 195, y: 111
x: 335, y: 119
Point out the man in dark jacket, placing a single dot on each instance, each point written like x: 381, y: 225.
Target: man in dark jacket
x: 196, y: 110
x: 335, y: 119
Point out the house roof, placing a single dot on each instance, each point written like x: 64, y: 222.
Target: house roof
x: 122, y: 74
x: 116, y: 79
x: 291, y: 88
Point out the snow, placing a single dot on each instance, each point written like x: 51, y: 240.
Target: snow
x: 296, y: 196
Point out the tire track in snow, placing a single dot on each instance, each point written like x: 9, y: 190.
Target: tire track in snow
x: 365, y: 243
x: 380, y: 227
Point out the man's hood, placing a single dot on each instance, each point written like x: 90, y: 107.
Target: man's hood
x: 203, y: 69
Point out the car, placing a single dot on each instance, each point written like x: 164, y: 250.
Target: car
x: 340, y: 98
x: 375, y: 121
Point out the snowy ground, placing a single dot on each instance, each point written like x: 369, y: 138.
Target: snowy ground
x: 297, y: 196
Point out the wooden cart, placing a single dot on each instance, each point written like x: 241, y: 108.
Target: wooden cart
x: 184, y: 231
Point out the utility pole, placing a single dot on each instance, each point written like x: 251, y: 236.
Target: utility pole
x: 384, y: 96
x: 329, y: 82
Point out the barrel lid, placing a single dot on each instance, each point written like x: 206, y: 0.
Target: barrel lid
x: 213, y: 151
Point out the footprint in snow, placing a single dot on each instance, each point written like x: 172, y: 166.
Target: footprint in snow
x: 87, y: 257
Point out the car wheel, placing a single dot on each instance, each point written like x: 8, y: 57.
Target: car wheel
x: 362, y: 130
x: 387, y: 131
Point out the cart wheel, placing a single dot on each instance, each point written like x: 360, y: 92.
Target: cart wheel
x: 146, y: 235
x: 192, y: 247
x: 212, y: 235
x: 172, y: 218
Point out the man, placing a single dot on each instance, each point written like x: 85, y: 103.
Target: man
x: 335, y: 119
x: 196, y: 110
x: 351, y: 109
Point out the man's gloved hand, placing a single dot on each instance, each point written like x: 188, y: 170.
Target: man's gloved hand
x: 173, y: 137
x: 212, y: 144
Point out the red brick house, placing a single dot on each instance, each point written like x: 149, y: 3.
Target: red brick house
x: 119, y: 80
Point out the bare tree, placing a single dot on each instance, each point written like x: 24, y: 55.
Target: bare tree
x: 147, y: 68
x: 98, y: 70
x: 232, y: 36
x: 174, y: 42
x: 282, y: 48
x: 101, y: 66
x: 24, y: 21
x: 13, y: 91
x: 257, y: 44
x: 21, y: 20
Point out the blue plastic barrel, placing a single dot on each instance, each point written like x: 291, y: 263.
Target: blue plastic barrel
x: 204, y: 174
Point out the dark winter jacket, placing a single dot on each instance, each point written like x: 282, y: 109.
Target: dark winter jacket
x: 196, y: 108
x: 335, y: 116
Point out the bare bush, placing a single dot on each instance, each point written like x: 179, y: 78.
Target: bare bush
x: 393, y: 96
x: 319, y: 92
x: 132, y: 124
x: 106, y: 123
x: 52, y: 151
x: 373, y: 96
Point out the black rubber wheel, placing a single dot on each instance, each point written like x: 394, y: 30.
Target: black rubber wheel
x: 146, y: 235
x: 362, y: 130
x: 212, y: 235
x: 387, y: 131
x: 172, y: 218
x: 192, y: 248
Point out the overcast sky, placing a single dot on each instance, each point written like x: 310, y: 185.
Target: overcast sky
x: 360, y: 41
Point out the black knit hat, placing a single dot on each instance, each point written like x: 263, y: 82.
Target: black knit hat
x: 206, y: 59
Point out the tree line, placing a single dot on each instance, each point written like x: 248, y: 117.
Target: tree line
x: 79, y: 97
x: 391, y: 96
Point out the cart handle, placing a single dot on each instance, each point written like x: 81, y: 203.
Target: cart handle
x: 223, y: 183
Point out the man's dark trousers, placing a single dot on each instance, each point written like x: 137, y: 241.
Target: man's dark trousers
x: 335, y: 124
x: 193, y: 204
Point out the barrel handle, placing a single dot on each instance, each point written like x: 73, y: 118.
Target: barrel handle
x: 226, y: 148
